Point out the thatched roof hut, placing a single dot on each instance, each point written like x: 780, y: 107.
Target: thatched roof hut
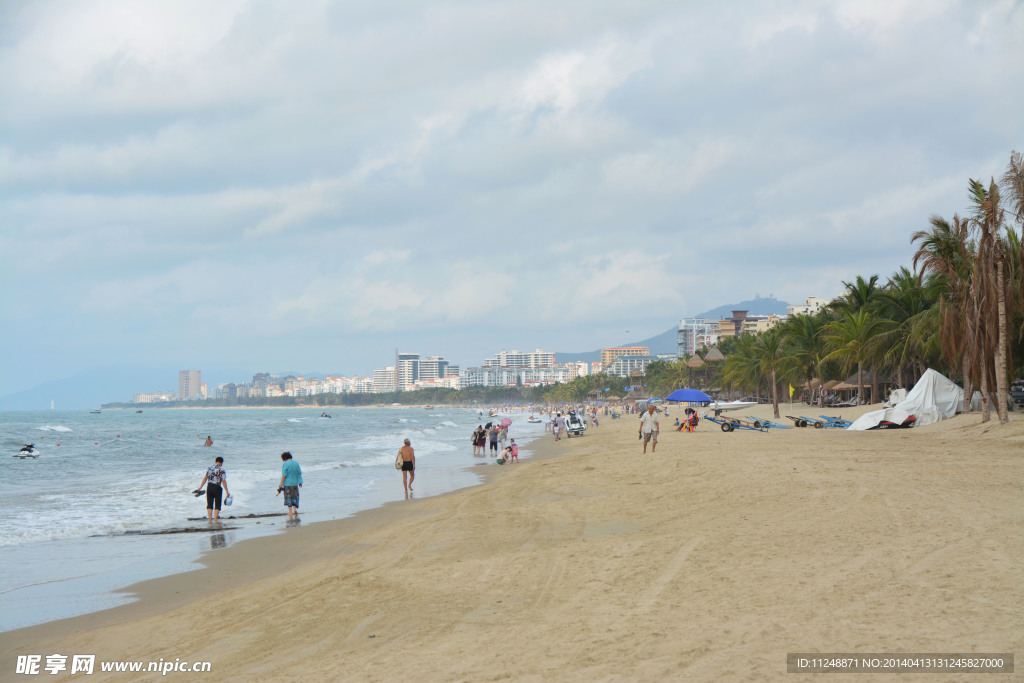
x: 714, y: 356
x: 866, y: 378
x: 695, y: 362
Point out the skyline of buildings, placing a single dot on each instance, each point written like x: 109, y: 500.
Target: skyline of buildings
x: 411, y: 372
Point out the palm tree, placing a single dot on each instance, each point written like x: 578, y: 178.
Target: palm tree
x: 947, y: 252
x: 990, y: 288
x: 849, y: 338
x: 770, y: 353
x: 860, y: 295
x: 742, y: 367
x: 803, y: 335
x: 902, y: 307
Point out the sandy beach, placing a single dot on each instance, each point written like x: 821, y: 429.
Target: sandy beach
x: 709, y: 560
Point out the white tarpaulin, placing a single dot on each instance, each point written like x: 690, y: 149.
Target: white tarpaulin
x: 932, y: 399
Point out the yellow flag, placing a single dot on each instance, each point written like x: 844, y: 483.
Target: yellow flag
x: 791, y: 391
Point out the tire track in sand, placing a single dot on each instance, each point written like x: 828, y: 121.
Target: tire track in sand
x: 671, y: 570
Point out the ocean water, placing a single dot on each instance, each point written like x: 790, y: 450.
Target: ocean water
x: 90, y: 515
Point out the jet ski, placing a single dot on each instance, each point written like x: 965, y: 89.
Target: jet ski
x: 574, y: 425
x: 27, y: 451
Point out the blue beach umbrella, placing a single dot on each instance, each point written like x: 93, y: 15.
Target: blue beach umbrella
x: 689, y: 395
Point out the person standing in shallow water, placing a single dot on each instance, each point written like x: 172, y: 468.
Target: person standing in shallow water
x: 216, y: 481
x: 291, y: 482
x: 408, y: 465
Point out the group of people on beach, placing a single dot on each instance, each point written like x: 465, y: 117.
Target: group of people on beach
x: 216, y: 481
x: 496, y: 435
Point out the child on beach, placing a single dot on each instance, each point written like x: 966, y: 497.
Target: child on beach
x: 513, y: 452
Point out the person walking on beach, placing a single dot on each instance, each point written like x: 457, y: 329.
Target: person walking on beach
x: 494, y: 440
x: 481, y: 440
x: 649, y: 427
x: 559, y: 427
x: 216, y: 481
x: 408, y: 465
x: 476, y: 438
x: 291, y: 482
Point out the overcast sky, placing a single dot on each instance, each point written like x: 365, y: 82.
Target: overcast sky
x: 308, y: 185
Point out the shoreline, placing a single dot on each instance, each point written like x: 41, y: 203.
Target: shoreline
x: 41, y: 590
x: 154, y: 596
x: 710, y: 560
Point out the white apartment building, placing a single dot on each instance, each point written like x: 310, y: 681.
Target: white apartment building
x: 385, y: 380
x: 506, y: 377
x: 363, y: 386
x: 578, y: 369
x: 624, y: 365
x: 517, y: 359
x: 155, y: 397
x: 811, y: 305
x: 695, y: 333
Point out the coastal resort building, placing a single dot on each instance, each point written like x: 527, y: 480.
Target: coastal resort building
x: 811, y: 305
x: 695, y: 333
x: 624, y: 366
x: 609, y: 355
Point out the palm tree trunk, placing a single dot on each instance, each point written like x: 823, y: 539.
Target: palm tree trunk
x: 1001, y: 344
x: 860, y: 383
x: 775, y: 395
x: 968, y: 383
x: 874, y: 384
x: 985, y: 414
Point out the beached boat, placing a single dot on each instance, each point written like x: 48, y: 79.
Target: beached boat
x: 720, y: 406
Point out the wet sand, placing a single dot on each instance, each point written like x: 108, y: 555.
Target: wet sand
x: 709, y: 560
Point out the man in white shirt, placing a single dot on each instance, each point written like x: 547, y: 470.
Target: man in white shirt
x: 649, y: 427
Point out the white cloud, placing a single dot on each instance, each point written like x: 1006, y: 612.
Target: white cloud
x: 338, y: 169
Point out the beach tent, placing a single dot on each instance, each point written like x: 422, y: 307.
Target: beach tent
x: 895, y: 397
x: 933, y: 398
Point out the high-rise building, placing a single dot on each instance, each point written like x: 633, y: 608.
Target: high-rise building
x: 517, y: 359
x: 695, y: 333
x: 624, y: 365
x: 407, y: 367
x: 432, y: 368
x: 189, y: 385
x: 609, y: 355
x: 384, y: 380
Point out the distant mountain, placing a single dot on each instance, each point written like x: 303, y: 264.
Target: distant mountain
x: 667, y: 341
x: 757, y: 306
x: 96, y: 386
